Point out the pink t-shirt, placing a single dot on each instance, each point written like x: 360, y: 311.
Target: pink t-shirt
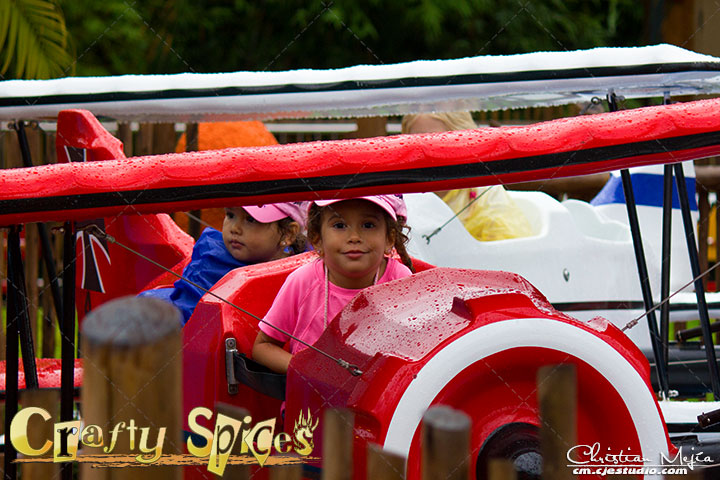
x: 299, y: 307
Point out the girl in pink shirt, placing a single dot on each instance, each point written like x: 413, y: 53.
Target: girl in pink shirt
x: 354, y: 239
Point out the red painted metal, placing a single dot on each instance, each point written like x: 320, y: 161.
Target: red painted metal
x: 317, y: 160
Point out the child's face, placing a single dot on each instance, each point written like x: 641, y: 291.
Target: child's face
x: 353, y: 239
x: 248, y: 240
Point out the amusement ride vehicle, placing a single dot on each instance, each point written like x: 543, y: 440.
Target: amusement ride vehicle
x: 461, y: 331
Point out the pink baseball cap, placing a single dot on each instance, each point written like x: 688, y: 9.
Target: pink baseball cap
x: 394, y: 204
x: 272, y: 212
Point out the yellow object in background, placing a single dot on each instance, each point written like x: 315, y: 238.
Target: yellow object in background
x: 712, y: 241
x: 493, y: 216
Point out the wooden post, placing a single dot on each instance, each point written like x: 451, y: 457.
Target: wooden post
x: 192, y: 137
x: 164, y: 138
x: 501, y: 469
x: 383, y: 465
x: 11, y: 149
x: 287, y: 472
x: 144, y: 144
x: 238, y: 472
x: 445, y: 444
x: 557, y: 399
x: 132, y: 373
x: 371, y: 127
x: 337, y: 444
x: 39, y: 430
x: 125, y: 135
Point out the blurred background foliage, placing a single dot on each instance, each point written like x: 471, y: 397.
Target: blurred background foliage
x: 116, y: 37
x: 33, y: 40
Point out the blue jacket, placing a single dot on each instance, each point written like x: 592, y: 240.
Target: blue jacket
x: 210, y: 262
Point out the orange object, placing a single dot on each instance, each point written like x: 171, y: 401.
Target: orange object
x: 214, y: 136
x: 218, y: 135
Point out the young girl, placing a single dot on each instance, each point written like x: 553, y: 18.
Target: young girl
x: 253, y: 234
x: 354, y: 239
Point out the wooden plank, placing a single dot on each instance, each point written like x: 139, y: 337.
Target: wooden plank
x: 125, y: 135
x: 11, y: 150
x: 144, y: 143
x: 371, y: 127
x: 164, y: 138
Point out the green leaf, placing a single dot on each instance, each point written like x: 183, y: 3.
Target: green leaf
x: 34, y: 39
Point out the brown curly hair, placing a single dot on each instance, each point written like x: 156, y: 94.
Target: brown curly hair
x: 398, y: 227
x: 300, y: 243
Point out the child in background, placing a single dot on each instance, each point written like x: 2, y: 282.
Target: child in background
x: 488, y: 213
x: 250, y: 235
x: 354, y: 240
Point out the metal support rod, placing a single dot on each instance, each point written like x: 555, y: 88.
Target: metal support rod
x: 660, y: 361
x: 699, y: 287
x: 665, y: 265
x: 26, y: 340
x: 644, y: 279
x: 67, y: 336
x: 22, y: 319
x: 42, y: 228
x: 11, y: 349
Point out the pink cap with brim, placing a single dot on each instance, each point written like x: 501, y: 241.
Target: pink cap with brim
x: 272, y: 212
x: 394, y: 205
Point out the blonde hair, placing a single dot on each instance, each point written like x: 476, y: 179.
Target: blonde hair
x: 451, y: 120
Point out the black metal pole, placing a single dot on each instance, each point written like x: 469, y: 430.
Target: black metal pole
x: 644, y: 279
x: 42, y: 228
x: 67, y: 337
x: 699, y: 287
x: 22, y: 319
x: 11, y: 348
x: 665, y: 265
x: 660, y: 362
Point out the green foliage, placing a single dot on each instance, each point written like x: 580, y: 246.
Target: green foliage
x: 33, y: 39
x: 167, y: 36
